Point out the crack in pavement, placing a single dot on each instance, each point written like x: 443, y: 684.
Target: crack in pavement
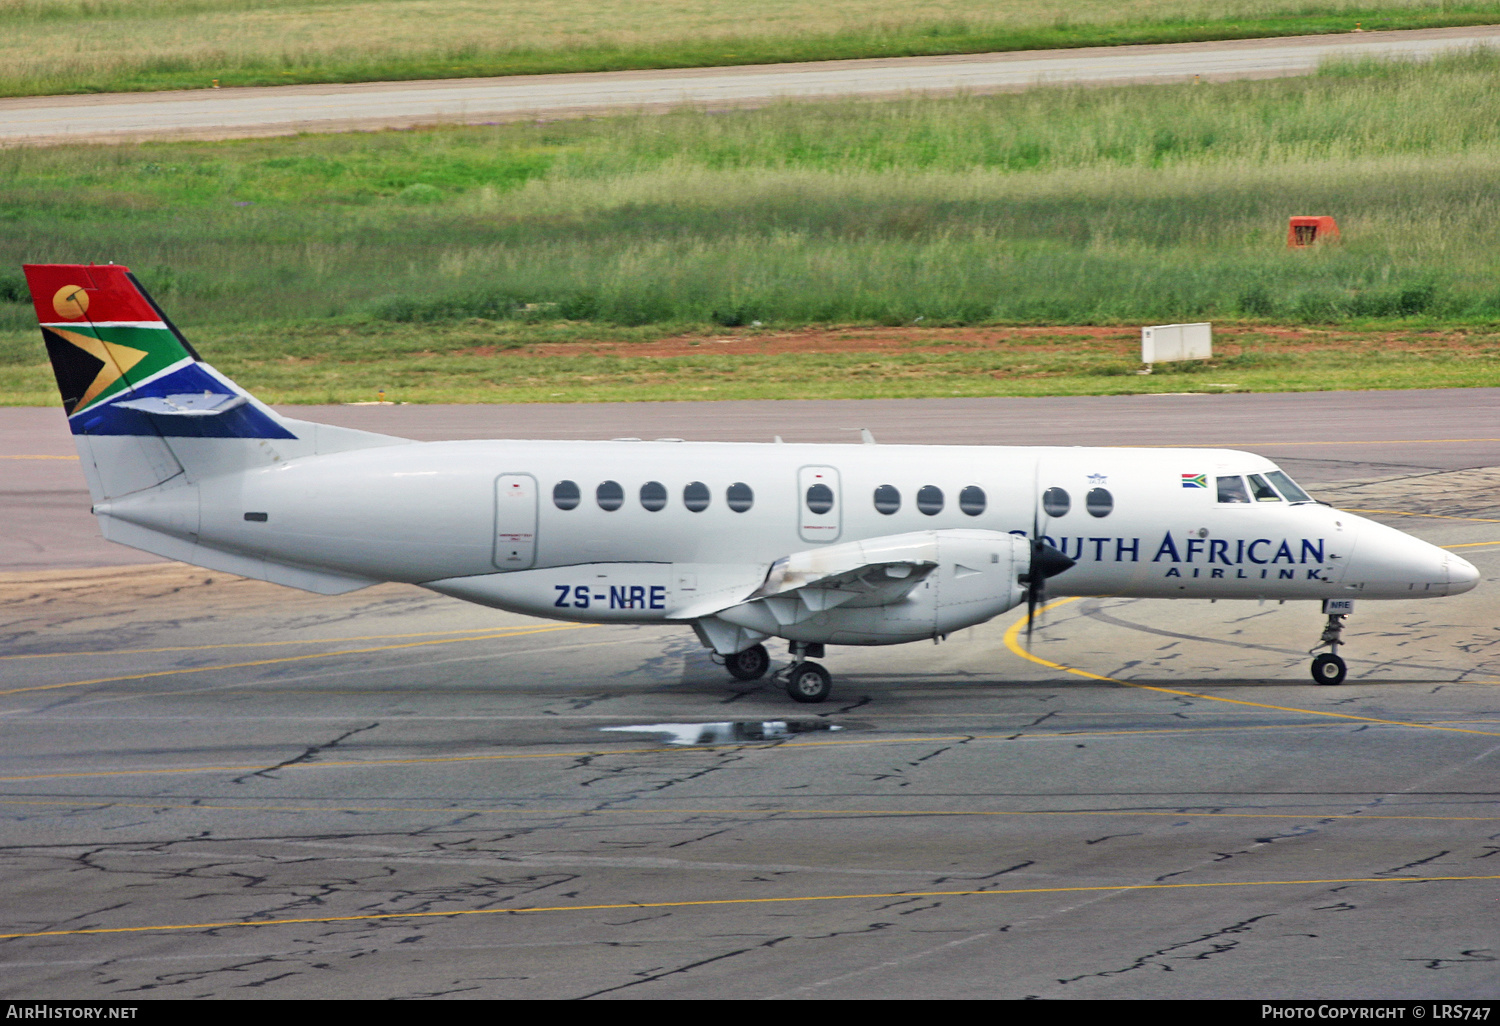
x: 308, y: 755
x: 1157, y: 959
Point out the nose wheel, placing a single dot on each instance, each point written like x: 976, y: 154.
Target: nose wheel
x: 1329, y: 668
x: 808, y: 682
x: 805, y: 682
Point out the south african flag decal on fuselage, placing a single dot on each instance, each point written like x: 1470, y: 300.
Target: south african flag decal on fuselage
x: 1195, y: 480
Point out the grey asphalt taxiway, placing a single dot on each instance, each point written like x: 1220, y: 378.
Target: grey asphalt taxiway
x: 280, y: 110
x: 216, y: 787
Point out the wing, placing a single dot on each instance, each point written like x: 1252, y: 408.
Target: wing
x: 804, y: 584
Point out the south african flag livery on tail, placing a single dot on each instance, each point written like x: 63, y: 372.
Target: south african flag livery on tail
x: 123, y: 368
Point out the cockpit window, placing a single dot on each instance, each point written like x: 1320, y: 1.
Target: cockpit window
x: 1262, y: 491
x: 1232, y: 489
x: 1288, y: 487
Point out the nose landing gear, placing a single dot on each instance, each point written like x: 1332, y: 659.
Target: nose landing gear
x: 1328, y: 668
x: 805, y: 681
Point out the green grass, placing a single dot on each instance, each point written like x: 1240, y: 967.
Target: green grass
x: 482, y: 361
x: 1058, y: 206
x: 69, y: 46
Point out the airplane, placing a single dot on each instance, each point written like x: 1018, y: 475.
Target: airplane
x: 850, y: 544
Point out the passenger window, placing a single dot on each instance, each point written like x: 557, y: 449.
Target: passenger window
x: 1099, y: 502
x: 930, y: 500
x: 820, y: 498
x: 1288, y: 487
x: 740, y: 497
x: 653, y: 496
x: 610, y: 495
x: 565, y: 495
x: 1055, y: 502
x: 695, y: 496
x: 971, y: 500
x: 1232, y: 489
x: 887, y: 499
x: 1262, y: 491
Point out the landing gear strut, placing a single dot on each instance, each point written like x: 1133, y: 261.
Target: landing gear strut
x: 1328, y: 668
x: 805, y: 681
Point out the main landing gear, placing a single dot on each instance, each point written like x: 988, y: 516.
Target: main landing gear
x: 1328, y: 668
x: 804, y: 681
x: 750, y: 664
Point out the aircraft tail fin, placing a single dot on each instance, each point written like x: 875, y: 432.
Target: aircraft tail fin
x: 142, y: 405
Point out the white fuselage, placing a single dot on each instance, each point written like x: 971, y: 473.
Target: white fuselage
x: 480, y: 520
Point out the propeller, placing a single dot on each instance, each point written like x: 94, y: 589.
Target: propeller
x: 1045, y: 562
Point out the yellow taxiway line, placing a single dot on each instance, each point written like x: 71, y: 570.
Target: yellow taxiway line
x: 1012, y: 892
x: 1341, y: 441
x: 1011, y: 642
x: 1430, y: 516
x: 267, y: 644
x: 499, y: 633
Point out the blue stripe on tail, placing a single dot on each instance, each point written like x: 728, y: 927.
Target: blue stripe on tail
x: 245, y: 421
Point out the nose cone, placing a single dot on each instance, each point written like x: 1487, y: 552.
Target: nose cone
x: 1462, y: 575
x: 1390, y: 564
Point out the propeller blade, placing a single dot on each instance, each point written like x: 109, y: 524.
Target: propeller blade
x: 1033, y: 582
x: 1045, y: 562
x: 1032, y: 600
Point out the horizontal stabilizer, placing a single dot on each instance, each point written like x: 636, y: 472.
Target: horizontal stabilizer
x: 193, y: 404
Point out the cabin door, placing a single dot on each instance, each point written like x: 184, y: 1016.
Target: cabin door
x: 515, y: 521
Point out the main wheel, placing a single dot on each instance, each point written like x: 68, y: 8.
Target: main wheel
x: 809, y: 682
x: 1329, y: 669
x: 750, y: 664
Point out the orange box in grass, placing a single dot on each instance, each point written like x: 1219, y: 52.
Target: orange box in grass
x: 1304, y: 231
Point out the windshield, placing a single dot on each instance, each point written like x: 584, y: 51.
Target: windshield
x: 1232, y: 488
x: 1288, y: 487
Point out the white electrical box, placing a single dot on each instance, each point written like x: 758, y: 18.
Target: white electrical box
x: 1163, y: 343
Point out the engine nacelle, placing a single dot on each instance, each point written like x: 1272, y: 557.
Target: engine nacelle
x: 893, y: 590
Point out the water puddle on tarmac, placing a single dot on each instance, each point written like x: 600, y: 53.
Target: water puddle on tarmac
x: 730, y: 731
